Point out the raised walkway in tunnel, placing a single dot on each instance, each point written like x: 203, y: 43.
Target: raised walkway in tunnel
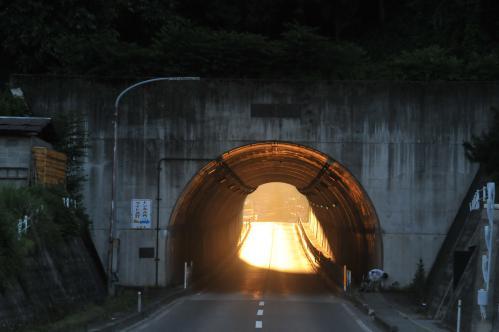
x: 270, y: 285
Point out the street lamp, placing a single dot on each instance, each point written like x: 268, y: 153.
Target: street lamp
x: 110, y: 283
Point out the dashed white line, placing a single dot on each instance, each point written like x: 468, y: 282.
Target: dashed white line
x: 259, y: 312
x: 258, y: 324
x: 261, y: 303
x: 357, y: 320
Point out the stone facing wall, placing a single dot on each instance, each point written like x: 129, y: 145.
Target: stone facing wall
x: 402, y: 140
x: 55, y: 281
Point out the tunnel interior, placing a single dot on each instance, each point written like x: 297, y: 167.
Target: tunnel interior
x: 208, y: 222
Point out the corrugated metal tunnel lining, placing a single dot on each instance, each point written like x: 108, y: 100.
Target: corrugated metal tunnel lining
x: 208, y: 215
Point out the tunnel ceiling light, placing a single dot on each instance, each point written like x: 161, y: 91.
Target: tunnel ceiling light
x: 212, y: 171
x: 222, y: 180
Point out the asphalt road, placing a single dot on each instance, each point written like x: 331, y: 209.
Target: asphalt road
x: 271, y: 287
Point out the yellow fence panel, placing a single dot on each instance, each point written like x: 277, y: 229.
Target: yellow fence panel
x: 50, y: 166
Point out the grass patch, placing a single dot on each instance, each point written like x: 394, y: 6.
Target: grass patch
x: 125, y: 303
x: 112, y: 307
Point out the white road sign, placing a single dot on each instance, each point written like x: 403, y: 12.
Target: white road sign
x: 141, y: 213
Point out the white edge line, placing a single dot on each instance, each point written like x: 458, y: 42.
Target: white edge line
x: 413, y: 321
x: 357, y: 320
x: 155, y: 316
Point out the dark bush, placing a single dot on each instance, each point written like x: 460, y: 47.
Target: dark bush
x: 50, y: 222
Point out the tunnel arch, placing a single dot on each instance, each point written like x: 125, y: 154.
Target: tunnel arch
x: 208, y: 214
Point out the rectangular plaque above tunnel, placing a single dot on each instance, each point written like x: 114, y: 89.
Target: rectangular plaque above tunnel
x: 290, y: 111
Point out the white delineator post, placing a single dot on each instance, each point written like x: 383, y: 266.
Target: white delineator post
x: 185, y: 275
x: 458, y: 327
x: 139, y: 301
x: 344, y: 278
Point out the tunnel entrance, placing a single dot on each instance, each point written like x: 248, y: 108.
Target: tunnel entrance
x: 270, y: 216
x: 209, y: 220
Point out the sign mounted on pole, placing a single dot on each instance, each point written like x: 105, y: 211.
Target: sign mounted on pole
x: 141, y: 213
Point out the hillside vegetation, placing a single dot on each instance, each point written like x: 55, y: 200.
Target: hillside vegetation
x: 319, y: 39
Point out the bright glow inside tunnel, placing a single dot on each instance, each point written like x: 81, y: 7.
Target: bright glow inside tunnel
x: 273, y: 211
x: 270, y: 185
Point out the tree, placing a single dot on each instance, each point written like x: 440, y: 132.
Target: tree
x: 12, y: 106
x: 419, y: 281
x: 31, y: 31
x: 484, y: 149
x: 426, y: 64
x: 73, y: 142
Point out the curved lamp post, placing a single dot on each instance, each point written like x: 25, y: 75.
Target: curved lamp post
x: 110, y: 282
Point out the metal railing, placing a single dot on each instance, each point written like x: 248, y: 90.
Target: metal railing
x: 23, y: 225
x: 331, y: 269
x: 488, y: 195
x: 475, y: 204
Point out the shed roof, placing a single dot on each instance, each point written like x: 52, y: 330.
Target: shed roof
x: 27, y: 126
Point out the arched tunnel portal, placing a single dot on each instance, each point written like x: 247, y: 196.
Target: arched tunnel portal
x: 207, y: 219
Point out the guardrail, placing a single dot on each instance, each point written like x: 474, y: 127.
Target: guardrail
x: 324, y: 266
x: 488, y: 195
x: 22, y: 226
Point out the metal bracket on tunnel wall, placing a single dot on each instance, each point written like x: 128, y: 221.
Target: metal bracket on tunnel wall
x: 316, y: 180
x: 229, y: 172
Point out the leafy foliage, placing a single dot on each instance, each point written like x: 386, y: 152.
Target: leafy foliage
x: 430, y: 63
x: 300, y: 52
x: 12, y: 106
x: 32, y: 30
x: 183, y: 47
x: 305, y: 53
x: 483, y: 149
x: 50, y: 223
x: 419, y: 281
x: 12, y: 250
x: 407, y: 40
x: 483, y: 67
x: 73, y: 142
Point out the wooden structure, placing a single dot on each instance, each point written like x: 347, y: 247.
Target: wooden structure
x: 50, y: 166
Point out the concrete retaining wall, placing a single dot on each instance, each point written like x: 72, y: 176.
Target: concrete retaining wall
x: 54, y: 282
x: 402, y: 140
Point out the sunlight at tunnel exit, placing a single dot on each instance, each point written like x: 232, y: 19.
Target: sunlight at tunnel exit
x: 275, y: 201
x: 275, y: 246
x: 272, y: 242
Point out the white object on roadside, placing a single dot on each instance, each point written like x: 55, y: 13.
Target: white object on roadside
x: 376, y: 275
